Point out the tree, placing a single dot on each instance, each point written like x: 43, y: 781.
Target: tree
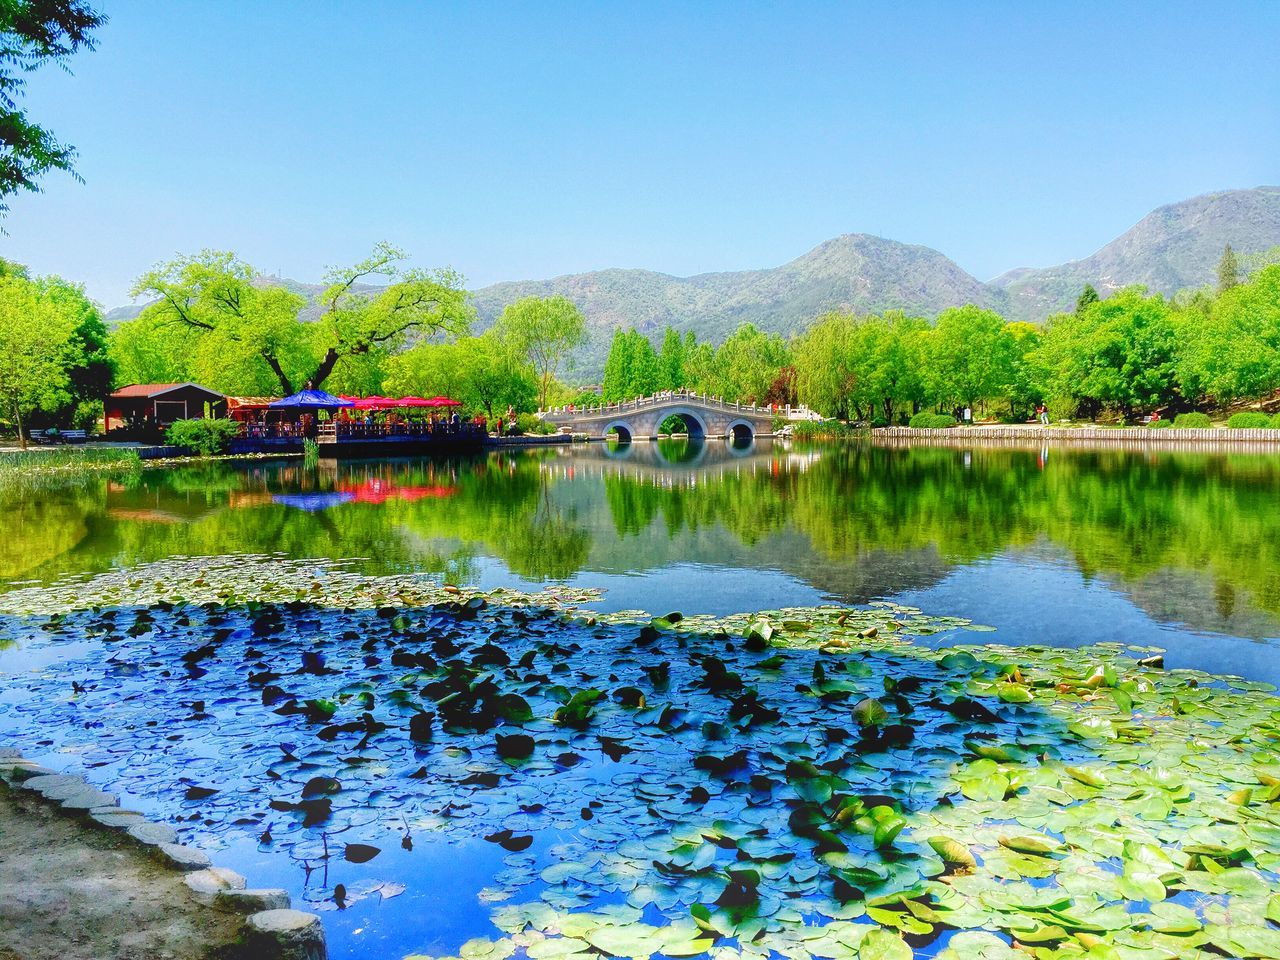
x: 483, y: 372
x: 1228, y: 270
x: 89, y: 368
x: 1025, y: 384
x: 1120, y: 353
x: 544, y: 329
x: 825, y: 377
x: 970, y: 356
x: 228, y: 319
x: 36, y: 343
x: 1232, y: 346
x: 896, y: 350
x: 1087, y: 296
x: 748, y: 363
x: 616, y: 367
x: 34, y: 33
x: 671, y: 360
x: 357, y: 322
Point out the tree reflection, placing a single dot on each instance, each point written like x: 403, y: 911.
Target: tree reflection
x: 858, y: 520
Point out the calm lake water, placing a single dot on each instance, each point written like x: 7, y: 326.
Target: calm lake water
x: 1057, y: 546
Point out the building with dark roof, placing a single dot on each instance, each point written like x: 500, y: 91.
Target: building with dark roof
x: 142, y: 405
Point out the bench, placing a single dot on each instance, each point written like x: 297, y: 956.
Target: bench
x: 59, y: 436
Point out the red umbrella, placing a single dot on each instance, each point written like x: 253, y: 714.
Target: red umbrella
x: 377, y: 491
x: 443, y: 402
x: 413, y: 402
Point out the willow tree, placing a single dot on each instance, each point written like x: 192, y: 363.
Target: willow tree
x: 545, y: 329
x: 217, y: 303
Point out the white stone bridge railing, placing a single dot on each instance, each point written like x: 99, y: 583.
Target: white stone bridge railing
x: 666, y: 398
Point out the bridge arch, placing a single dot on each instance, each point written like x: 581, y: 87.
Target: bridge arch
x: 693, y: 422
x: 626, y: 433
x: 740, y: 430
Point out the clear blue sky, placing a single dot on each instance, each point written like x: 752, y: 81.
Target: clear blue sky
x: 526, y: 140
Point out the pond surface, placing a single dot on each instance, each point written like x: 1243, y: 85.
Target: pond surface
x: 288, y: 740
x: 1051, y: 545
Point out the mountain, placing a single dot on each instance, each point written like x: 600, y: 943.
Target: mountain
x: 855, y: 271
x: 1174, y: 247
x: 852, y: 272
x: 1170, y: 249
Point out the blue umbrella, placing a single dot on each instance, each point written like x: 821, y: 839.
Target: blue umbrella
x: 312, y: 399
x: 311, y: 502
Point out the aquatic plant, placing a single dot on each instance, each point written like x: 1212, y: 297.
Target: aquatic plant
x: 808, y: 782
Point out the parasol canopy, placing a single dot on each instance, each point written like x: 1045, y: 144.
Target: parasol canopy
x: 442, y: 402
x: 388, y: 403
x: 312, y: 502
x: 312, y: 400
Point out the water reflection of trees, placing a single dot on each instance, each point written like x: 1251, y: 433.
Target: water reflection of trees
x: 857, y: 520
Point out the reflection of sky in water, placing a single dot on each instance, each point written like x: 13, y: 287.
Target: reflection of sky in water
x: 1029, y: 601
x: 1181, y: 549
x: 1176, y: 549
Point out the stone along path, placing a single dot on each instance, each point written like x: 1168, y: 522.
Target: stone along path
x: 72, y: 893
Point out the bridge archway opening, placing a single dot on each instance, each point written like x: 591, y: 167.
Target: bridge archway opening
x: 740, y: 433
x: 681, y: 422
x: 618, y: 432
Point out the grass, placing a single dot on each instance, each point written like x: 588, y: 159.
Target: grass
x: 30, y: 468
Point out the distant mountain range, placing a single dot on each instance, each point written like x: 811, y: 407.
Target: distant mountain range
x: 1174, y: 247
x: 1168, y: 250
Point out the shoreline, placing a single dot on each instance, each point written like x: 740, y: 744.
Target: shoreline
x: 1130, y: 435
x: 92, y: 880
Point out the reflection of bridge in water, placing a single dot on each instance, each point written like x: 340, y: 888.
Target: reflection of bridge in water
x: 702, y: 417
x: 679, y: 462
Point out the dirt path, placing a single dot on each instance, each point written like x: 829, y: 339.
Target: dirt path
x: 69, y: 893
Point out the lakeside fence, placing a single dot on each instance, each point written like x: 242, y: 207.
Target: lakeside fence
x: 1242, y: 440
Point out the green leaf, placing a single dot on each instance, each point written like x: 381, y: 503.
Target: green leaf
x: 953, y: 852
x: 554, y: 948
x: 880, y: 944
x: 870, y: 712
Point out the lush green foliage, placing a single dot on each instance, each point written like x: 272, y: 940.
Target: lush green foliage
x: 53, y: 367
x: 751, y: 366
x: 850, y: 367
x: 210, y: 321
x: 820, y: 430
x: 1160, y: 424
x: 1249, y: 421
x: 1192, y: 421
x: 206, y: 437
x: 528, y: 423
x: 1117, y: 357
x: 545, y: 330
x: 487, y: 373
x: 633, y: 368
x: 932, y: 421
x: 33, y: 34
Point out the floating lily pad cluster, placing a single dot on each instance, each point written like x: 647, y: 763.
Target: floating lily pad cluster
x: 804, y: 783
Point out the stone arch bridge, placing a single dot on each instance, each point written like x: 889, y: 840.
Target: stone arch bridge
x: 640, y: 419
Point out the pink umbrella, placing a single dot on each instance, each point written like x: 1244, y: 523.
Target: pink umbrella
x: 443, y: 402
